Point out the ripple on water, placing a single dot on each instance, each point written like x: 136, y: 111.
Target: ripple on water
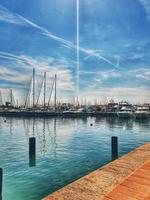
x: 66, y: 150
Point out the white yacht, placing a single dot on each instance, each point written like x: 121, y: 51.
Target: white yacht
x: 142, y: 112
x: 125, y: 110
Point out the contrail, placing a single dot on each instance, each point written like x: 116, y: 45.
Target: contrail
x: 13, y: 18
x: 14, y: 57
x: 78, y: 49
x: 118, y: 62
x: 92, y: 53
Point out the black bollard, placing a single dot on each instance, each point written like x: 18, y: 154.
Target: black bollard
x: 32, y: 151
x: 114, y: 147
x: 1, y: 182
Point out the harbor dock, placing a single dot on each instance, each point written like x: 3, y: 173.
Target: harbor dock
x: 127, y: 178
x: 55, y: 114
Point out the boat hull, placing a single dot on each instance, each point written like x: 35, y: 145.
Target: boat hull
x: 125, y: 114
x: 141, y: 115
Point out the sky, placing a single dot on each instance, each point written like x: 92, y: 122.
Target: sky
x: 114, y: 48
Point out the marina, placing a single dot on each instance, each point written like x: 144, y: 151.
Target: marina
x: 127, y: 178
x: 51, y: 143
x: 75, y: 100
x: 66, y: 149
x: 52, y: 107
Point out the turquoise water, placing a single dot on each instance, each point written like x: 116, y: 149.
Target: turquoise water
x: 66, y: 150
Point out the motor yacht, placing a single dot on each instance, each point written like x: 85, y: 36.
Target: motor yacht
x: 142, y: 112
x: 125, y: 110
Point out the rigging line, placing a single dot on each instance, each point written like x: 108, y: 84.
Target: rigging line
x: 40, y: 92
x: 51, y: 92
x: 28, y: 94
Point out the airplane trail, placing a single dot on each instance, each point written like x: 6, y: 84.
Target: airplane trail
x: 13, y: 18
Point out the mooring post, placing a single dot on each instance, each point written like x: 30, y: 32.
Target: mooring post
x: 1, y: 182
x: 114, y: 147
x: 32, y: 151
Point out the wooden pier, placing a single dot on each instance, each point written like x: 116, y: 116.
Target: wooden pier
x: 135, y: 187
x: 127, y: 178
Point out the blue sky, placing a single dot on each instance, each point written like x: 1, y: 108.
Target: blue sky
x: 114, y: 47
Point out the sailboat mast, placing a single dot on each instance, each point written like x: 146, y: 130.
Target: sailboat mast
x: 51, y: 92
x: 28, y: 94
x: 40, y: 92
x: 55, y: 92
x: 44, y: 90
x: 33, y: 87
x: 11, y: 97
x: 1, y: 99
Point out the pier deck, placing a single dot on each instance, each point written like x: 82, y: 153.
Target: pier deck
x: 129, y: 174
x: 135, y: 187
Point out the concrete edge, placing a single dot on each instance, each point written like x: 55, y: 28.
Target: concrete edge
x: 103, y: 180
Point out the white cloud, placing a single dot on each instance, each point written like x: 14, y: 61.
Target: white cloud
x: 9, y: 17
x: 119, y: 94
x: 66, y: 80
x: 135, y: 56
x: 127, y: 45
x: 64, y: 73
x: 101, y: 76
x: 109, y: 74
x: 146, y: 5
x: 12, y: 75
x: 19, y: 81
x: 145, y: 75
x: 13, y: 18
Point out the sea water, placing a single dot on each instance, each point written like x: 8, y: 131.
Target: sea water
x: 66, y: 149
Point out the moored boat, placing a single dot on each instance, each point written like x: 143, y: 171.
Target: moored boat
x: 125, y: 110
x: 142, y: 112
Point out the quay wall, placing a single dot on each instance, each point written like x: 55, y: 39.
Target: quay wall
x: 100, y: 182
x: 55, y: 114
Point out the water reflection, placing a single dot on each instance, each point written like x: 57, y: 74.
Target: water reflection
x: 142, y: 123
x: 127, y: 124
x: 26, y: 129
x: 43, y: 139
x: 52, y: 133
x: 11, y: 125
x: 46, y: 129
x: 1, y: 182
x: 66, y: 150
x: 33, y: 131
x: 55, y: 137
x: 32, y: 152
